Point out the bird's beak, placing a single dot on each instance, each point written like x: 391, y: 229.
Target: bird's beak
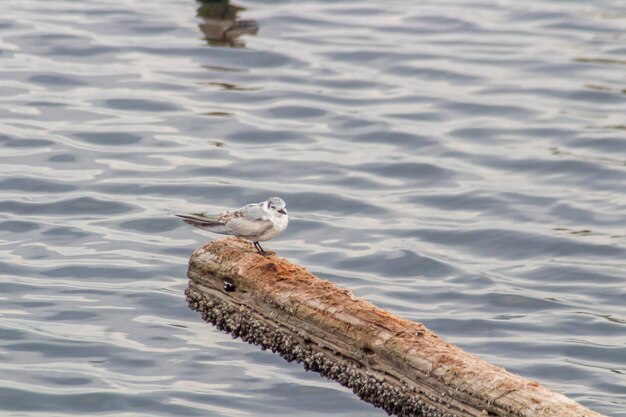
x: 282, y: 211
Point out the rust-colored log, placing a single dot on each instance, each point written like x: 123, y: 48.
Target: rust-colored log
x: 391, y: 362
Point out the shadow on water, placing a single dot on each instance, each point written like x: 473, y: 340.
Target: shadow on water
x: 221, y: 25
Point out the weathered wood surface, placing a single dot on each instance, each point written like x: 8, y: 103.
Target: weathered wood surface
x: 390, y: 362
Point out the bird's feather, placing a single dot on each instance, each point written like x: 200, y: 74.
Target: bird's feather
x: 204, y: 221
x: 241, y: 226
x: 248, y: 221
x: 253, y: 212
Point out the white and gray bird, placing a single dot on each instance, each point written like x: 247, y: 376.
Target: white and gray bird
x: 256, y: 222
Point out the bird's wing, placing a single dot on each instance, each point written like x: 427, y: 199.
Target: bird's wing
x: 253, y: 212
x: 205, y: 221
x: 209, y: 219
x: 249, y: 221
x: 244, y: 227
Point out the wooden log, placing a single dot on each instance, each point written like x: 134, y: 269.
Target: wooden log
x: 388, y: 361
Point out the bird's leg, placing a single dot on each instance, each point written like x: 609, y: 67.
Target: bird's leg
x: 259, y: 249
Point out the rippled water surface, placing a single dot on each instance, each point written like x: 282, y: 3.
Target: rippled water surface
x: 461, y: 163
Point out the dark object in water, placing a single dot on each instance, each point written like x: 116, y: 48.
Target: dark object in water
x: 221, y: 24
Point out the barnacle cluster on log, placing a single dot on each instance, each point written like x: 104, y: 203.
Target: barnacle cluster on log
x: 241, y: 323
x: 392, y: 363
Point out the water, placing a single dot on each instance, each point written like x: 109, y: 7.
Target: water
x: 459, y: 163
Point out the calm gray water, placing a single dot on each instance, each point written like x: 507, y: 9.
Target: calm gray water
x: 461, y: 163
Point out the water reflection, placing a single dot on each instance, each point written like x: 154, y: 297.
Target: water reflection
x: 222, y: 26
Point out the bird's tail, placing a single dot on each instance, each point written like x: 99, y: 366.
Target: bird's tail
x: 201, y: 220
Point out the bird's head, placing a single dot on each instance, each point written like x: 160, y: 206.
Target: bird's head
x: 275, y: 205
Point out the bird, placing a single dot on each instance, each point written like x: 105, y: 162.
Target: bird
x: 256, y: 222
